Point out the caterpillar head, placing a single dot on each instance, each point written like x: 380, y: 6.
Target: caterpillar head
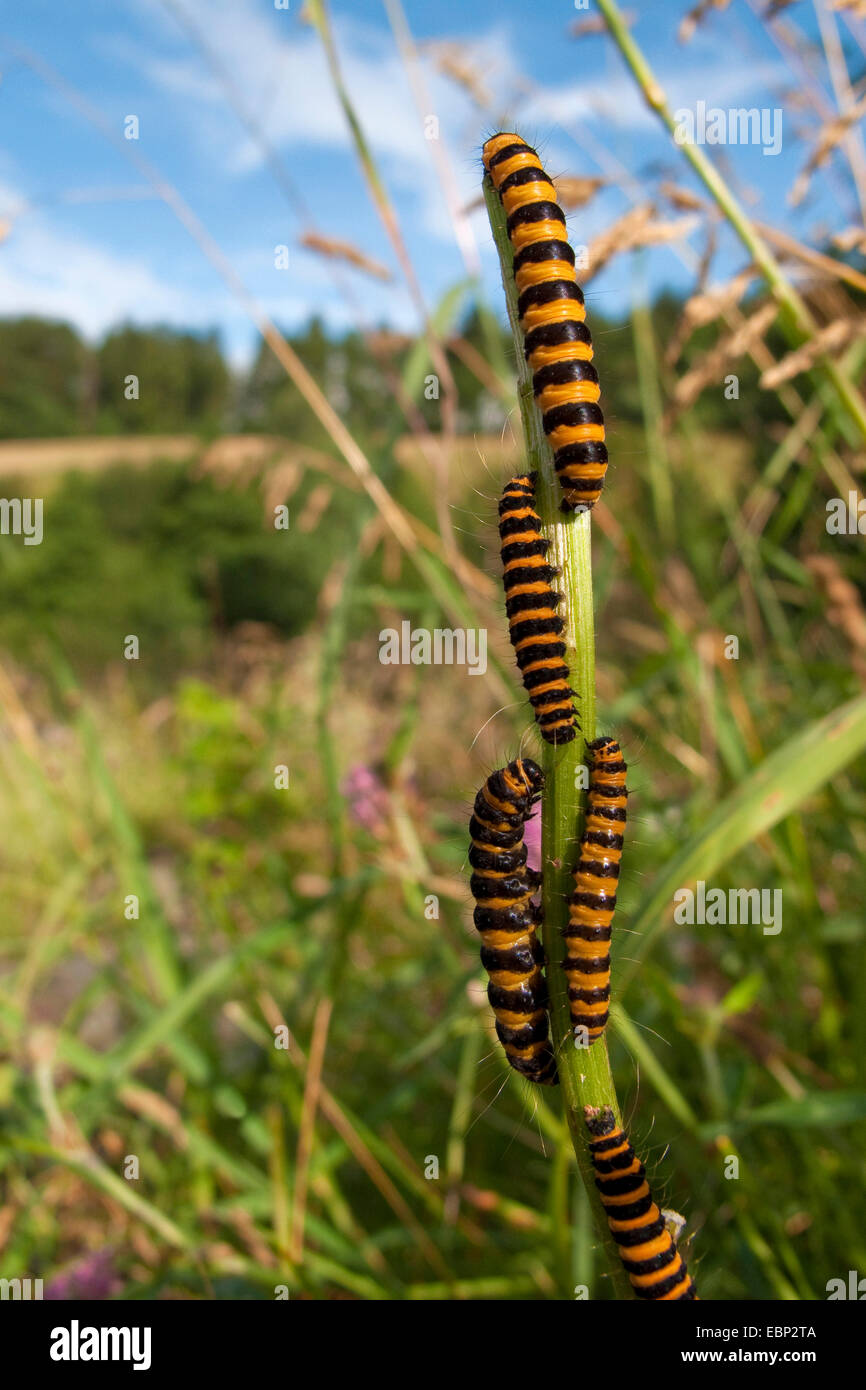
x: 504, y: 140
x: 604, y: 749
x: 531, y: 776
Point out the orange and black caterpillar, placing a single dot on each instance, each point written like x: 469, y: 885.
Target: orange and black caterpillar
x: 506, y: 917
x: 530, y: 604
x: 550, y: 305
x: 591, y: 905
x: 646, y: 1247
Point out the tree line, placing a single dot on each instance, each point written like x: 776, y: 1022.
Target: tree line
x: 162, y: 380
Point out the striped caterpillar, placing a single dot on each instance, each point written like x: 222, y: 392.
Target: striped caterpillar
x: 550, y: 305
x: 506, y: 917
x: 591, y: 905
x: 530, y: 604
x: 654, y: 1265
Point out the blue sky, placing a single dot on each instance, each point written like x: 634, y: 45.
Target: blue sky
x: 86, y: 240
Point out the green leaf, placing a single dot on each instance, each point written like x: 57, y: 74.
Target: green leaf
x: 816, y: 1110
x: 784, y: 780
x: 442, y: 321
x: 743, y: 994
x: 136, y: 1048
x: 841, y: 931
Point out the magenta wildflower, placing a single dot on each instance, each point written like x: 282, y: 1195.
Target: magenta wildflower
x: 532, y: 838
x: 367, y: 796
x: 91, y: 1278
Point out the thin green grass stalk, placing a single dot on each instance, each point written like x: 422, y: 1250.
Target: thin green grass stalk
x: 320, y: 19
x: 278, y: 1169
x: 652, y: 1072
x: 463, y: 233
x: 155, y: 937
x: 799, y: 497
x: 91, y: 1169
x: 460, y: 1121
x: 582, y: 1231
x: 585, y: 1074
x: 558, y: 1203
x: 494, y: 1288
x: 799, y: 437
x: 646, y: 357
x: 334, y: 641
x: 379, y: 1151
x: 541, y: 1116
x: 796, y: 321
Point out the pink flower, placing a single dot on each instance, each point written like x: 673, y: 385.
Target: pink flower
x: 367, y: 796
x: 532, y: 838
x: 91, y: 1278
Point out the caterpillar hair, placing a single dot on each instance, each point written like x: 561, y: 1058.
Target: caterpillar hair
x: 530, y: 604
x: 654, y: 1265
x: 550, y: 306
x: 506, y: 917
x: 591, y: 905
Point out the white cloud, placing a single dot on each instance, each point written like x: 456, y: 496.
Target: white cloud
x: 43, y: 271
x: 46, y: 270
x: 281, y: 74
x: 617, y: 102
x: 285, y: 81
x: 279, y: 71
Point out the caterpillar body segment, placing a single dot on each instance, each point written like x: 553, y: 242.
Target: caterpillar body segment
x: 550, y: 305
x: 655, y: 1268
x: 591, y: 905
x: 535, y: 626
x: 507, y: 918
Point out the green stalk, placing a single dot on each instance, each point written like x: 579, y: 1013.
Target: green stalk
x: 558, y: 1204
x: 646, y: 358
x: 460, y: 1121
x: 796, y: 321
x: 584, y: 1073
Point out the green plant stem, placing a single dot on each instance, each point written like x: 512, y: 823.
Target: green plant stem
x: 584, y: 1073
x: 646, y: 357
x: 321, y: 21
x: 796, y: 321
x: 460, y: 1121
x: 558, y: 1202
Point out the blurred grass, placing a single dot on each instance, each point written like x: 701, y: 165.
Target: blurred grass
x: 162, y: 784
x: 337, y: 907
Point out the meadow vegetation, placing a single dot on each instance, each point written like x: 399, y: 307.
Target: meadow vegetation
x: 169, y: 904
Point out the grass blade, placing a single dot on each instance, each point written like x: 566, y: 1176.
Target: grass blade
x: 783, y: 782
